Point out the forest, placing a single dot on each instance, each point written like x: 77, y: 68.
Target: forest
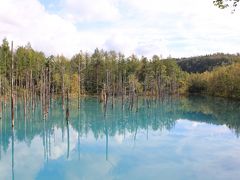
x: 200, y: 64
x: 29, y: 74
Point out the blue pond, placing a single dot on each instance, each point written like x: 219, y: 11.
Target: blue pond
x: 177, y: 138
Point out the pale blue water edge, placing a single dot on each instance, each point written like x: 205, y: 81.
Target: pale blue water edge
x: 186, y: 138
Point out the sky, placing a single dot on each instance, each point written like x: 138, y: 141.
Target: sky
x: 179, y: 28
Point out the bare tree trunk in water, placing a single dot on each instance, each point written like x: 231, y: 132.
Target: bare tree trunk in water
x: 12, y: 94
x: 79, y: 82
x: 67, y: 108
x: 159, y: 86
x: 31, y: 89
x: 49, y: 86
x: 25, y: 104
x: 97, y: 77
x: 44, y: 93
x: 122, y: 89
x: 63, y: 88
x: 106, y: 93
x: 132, y: 94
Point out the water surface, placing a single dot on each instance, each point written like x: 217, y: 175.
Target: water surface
x: 186, y: 138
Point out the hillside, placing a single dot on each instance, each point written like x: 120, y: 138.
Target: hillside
x: 206, y: 63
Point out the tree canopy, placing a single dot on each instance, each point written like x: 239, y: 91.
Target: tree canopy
x: 111, y: 73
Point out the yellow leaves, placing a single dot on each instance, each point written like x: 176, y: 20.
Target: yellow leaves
x: 222, y: 81
x: 133, y: 81
x: 57, y: 79
x: 74, y: 84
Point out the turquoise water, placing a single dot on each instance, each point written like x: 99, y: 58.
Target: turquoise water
x: 186, y: 138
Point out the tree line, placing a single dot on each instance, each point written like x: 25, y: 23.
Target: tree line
x: 108, y: 74
x: 103, y: 73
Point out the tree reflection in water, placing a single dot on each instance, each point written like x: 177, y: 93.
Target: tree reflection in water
x: 151, y: 114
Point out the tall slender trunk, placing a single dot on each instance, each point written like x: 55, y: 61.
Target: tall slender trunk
x: 44, y: 92
x: 122, y: 89
x: 12, y: 94
x: 79, y: 82
x: 41, y: 88
x: 67, y: 106
x: 113, y: 90
x: 49, y: 86
x: 31, y: 89
x: 97, y: 77
x: 159, y: 86
x: 63, y: 88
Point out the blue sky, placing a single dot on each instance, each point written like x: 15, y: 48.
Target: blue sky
x: 142, y: 27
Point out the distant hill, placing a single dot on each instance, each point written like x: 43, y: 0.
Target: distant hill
x: 207, y: 63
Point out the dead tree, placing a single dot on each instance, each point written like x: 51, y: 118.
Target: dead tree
x: 67, y: 107
x: 63, y: 87
x: 79, y: 82
x: 12, y: 94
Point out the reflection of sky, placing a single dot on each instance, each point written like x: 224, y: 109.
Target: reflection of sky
x: 191, y: 150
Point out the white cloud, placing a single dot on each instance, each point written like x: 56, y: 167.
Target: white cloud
x: 30, y: 22
x: 94, y: 10
x: 145, y: 27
